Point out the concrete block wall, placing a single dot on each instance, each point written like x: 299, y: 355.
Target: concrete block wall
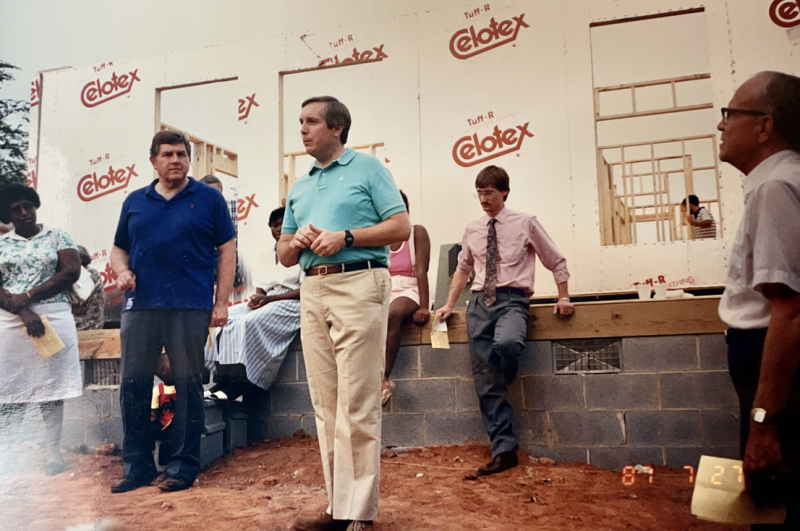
x: 672, y: 402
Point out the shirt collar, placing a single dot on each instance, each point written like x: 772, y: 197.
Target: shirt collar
x: 500, y: 217
x: 343, y: 160
x: 12, y: 234
x: 761, y: 173
x: 191, y: 188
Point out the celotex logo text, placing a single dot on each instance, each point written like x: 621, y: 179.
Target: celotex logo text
x: 375, y: 53
x: 90, y: 187
x: 471, y: 149
x: 97, y: 92
x: 785, y: 13
x: 469, y: 42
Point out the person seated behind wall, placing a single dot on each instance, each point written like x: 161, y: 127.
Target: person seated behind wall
x: 90, y: 314
x: 699, y: 218
x: 408, y: 265
x: 162, y: 406
x: 258, y: 334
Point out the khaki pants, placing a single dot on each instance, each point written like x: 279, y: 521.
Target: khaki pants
x: 343, y: 327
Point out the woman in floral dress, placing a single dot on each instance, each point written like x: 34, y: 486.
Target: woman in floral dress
x: 38, y: 265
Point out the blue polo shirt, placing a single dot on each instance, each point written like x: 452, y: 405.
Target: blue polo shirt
x: 171, y: 246
x: 352, y: 192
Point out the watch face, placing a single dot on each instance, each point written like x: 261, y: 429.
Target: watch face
x: 759, y: 415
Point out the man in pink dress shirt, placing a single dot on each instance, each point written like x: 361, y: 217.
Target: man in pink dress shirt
x: 501, y: 247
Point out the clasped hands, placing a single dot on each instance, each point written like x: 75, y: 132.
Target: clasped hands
x: 320, y: 241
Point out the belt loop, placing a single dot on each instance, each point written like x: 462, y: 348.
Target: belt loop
x: 369, y: 264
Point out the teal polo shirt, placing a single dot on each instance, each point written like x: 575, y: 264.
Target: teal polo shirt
x: 352, y: 192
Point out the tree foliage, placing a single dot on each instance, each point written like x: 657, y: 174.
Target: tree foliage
x: 13, y: 133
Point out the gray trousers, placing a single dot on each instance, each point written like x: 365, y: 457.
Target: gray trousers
x: 496, y: 339
x: 182, y: 334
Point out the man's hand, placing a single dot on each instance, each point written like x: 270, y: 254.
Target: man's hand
x: 422, y: 315
x: 563, y: 307
x: 126, y: 281
x: 33, y: 323
x: 219, y: 315
x: 327, y: 242
x: 765, y: 475
x: 17, y: 303
x: 689, y: 219
x: 304, y: 237
x: 444, y: 312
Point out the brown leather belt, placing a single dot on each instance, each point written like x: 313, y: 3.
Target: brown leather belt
x: 506, y: 289
x: 329, y: 269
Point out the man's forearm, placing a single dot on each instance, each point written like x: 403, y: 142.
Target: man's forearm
x: 287, y: 254
x: 395, y: 228
x: 781, y: 356
x: 563, y: 290
x: 457, y: 285
x: 226, y: 271
x: 119, y: 260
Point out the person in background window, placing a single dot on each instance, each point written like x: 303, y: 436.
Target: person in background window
x: 699, y: 218
x: 408, y: 265
x: 90, y: 314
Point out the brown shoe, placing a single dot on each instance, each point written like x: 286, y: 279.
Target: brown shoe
x: 321, y: 522
x: 500, y: 463
x: 360, y: 525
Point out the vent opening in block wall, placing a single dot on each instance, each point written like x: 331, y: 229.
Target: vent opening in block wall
x: 587, y: 355
x: 104, y: 372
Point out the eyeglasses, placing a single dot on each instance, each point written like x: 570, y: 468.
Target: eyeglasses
x: 727, y: 111
x: 483, y: 195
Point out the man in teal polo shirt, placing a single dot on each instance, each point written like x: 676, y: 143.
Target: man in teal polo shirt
x: 340, y: 218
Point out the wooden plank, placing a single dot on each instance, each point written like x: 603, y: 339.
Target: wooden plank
x: 94, y: 344
x: 655, y: 112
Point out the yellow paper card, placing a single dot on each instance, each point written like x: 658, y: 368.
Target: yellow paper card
x: 719, y: 495
x: 49, y: 343
x: 439, y: 333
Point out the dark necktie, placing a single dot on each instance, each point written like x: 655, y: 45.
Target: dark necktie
x: 490, y: 282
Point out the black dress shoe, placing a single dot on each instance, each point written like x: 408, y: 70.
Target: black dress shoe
x: 128, y: 483
x: 174, y: 484
x: 501, y: 462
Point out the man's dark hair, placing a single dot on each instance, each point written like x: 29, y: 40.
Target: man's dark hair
x: 692, y: 200
x: 169, y: 138
x: 335, y: 113
x: 211, y: 179
x: 405, y: 199
x: 781, y: 100
x: 275, y: 215
x: 494, y: 176
x: 14, y: 192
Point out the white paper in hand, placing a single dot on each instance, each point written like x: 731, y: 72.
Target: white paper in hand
x: 439, y: 333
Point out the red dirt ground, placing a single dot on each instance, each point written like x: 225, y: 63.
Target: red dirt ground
x: 266, y: 485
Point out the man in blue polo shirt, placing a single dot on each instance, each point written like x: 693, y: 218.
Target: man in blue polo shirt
x: 340, y: 218
x: 164, y: 259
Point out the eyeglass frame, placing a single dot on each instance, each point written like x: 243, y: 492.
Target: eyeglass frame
x: 727, y: 111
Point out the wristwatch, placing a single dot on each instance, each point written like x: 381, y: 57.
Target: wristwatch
x: 348, y: 238
x: 761, y: 416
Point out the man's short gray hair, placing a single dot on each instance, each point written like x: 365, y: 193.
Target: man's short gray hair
x: 781, y: 100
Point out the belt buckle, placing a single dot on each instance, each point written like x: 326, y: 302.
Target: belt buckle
x: 322, y: 270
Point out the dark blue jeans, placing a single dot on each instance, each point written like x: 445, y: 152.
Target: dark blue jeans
x: 745, y: 348
x: 182, y: 334
x: 496, y: 339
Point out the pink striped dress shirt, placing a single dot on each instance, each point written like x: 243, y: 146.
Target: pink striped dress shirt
x: 520, y: 239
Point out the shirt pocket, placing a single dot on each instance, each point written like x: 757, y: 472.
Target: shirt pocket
x: 516, y: 251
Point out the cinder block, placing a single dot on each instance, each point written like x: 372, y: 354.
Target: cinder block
x: 531, y: 427
x: 680, y: 457
x: 713, y: 352
x: 466, y: 397
x: 664, y: 353
x: 309, y: 425
x: 291, y: 399
x: 92, y: 404
x: 210, y: 448
x: 619, y: 458
x: 515, y: 395
x: 403, y: 430
x: 454, y: 428
x: 577, y: 428
x: 235, y: 434
x: 301, y: 367
x: 443, y: 363
x: 621, y: 391
x: 548, y: 392
x: 407, y: 363
x: 214, y: 421
x: 296, y: 344
x: 697, y: 389
x: 288, y: 370
x: 282, y: 426
x: 116, y: 407
x: 721, y: 427
x: 73, y: 432
x: 663, y: 428
x: 537, y: 358
x: 562, y: 455
x: 422, y: 396
x: 111, y: 430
